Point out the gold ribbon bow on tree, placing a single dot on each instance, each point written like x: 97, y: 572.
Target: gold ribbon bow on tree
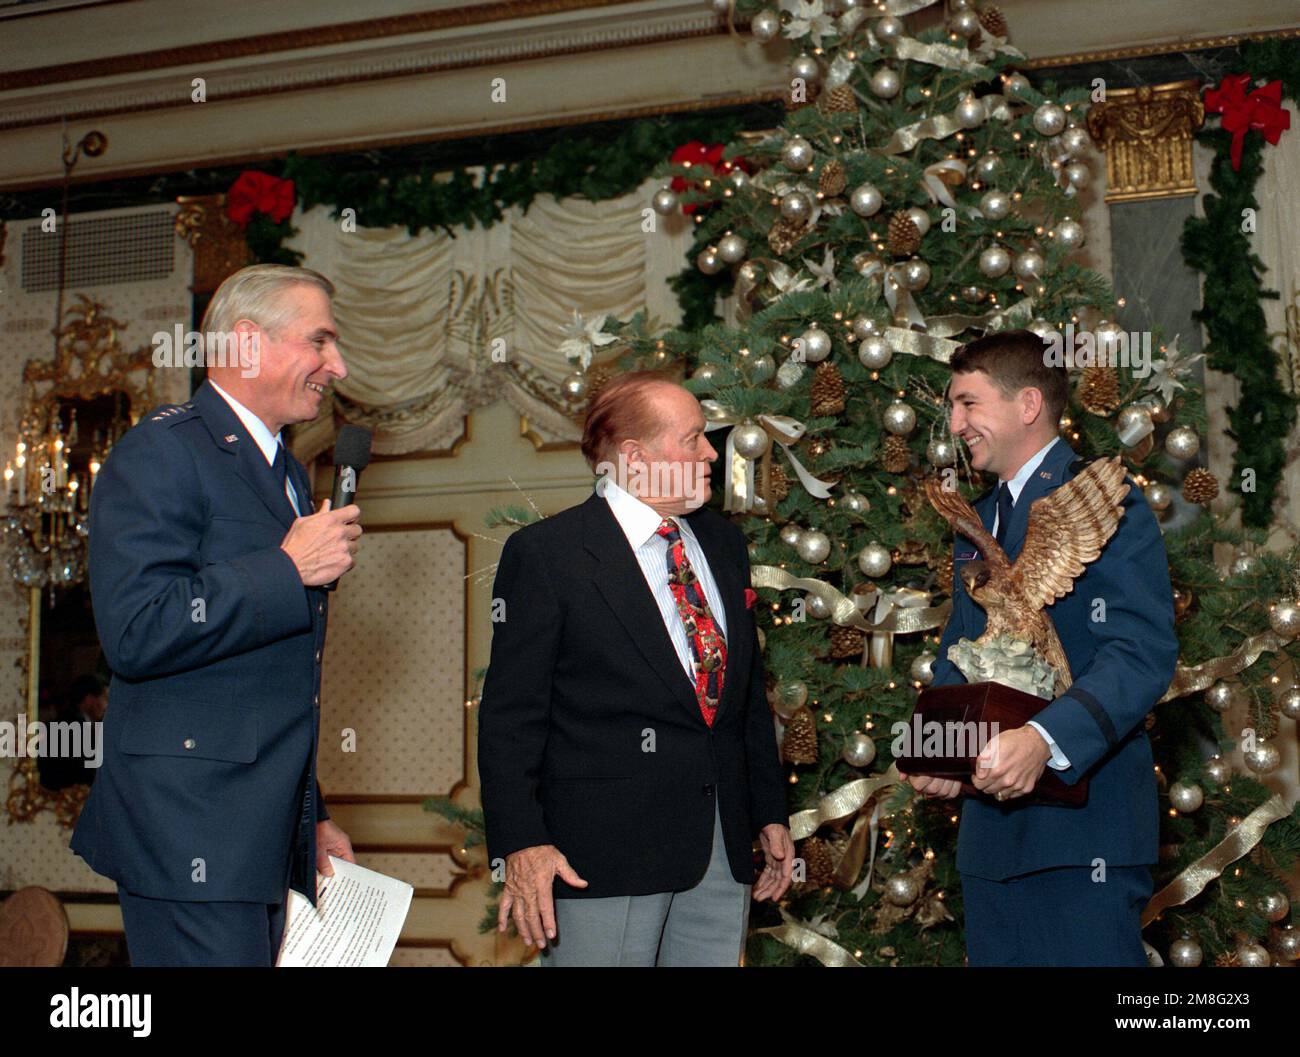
x: 781, y: 430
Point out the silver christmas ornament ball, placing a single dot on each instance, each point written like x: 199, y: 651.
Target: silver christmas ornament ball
x: 1182, y: 442
x: 814, y: 546
x: 815, y: 343
x: 922, y: 669
x: 995, y: 261
x: 806, y: 68
x: 885, y: 82
x: 1159, y: 495
x: 864, y: 327
x: 986, y: 168
x: 664, y: 201
x: 707, y: 373
x: 965, y: 23
x: 1074, y: 141
x: 708, y: 261
x: 866, y: 200
x: 574, y: 387
x: 1069, y: 233
x: 751, y: 440
x: 1029, y: 264
x: 1186, y: 796
x: 914, y: 274
x: 995, y: 205
x: 888, y: 28
x: 859, y: 750
x: 899, y: 418
x: 875, y: 353
x: 855, y: 503
x: 970, y: 112
x: 816, y: 606
x: 919, y: 217
x: 797, y: 154
x: 1287, y: 944
x: 1049, y: 119
x: 874, y: 560
x: 1253, y: 956
x: 941, y: 452
x: 1289, y: 703
x: 732, y: 248
x: 1016, y: 84
x: 1284, y: 618
x: 765, y: 25
x: 791, y: 695
x: 902, y: 890
x: 1218, y: 770
x: 1275, y: 906
x: 762, y: 369
x: 1220, y: 696
x: 1078, y: 174
x: 795, y: 205
x: 790, y: 533
x: 1185, y: 953
x: 1264, y: 758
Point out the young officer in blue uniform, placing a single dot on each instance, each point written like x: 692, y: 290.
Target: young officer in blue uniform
x: 1044, y: 884
x: 206, y: 573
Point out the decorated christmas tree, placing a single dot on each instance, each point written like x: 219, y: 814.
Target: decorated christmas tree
x: 920, y: 192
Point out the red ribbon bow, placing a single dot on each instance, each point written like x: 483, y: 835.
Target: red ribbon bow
x: 696, y: 153
x: 751, y: 596
x: 259, y: 192
x: 1261, y: 110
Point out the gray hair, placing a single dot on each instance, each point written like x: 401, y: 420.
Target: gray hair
x: 256, y: 293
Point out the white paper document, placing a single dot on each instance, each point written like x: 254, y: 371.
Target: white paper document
x: 356, y: 920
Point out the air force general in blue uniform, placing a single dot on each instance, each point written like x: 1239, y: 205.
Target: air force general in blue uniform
x: 1032, y: 886
x: 206, y: 808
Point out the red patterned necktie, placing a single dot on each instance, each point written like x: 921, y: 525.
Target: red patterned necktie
x: 708, y: 647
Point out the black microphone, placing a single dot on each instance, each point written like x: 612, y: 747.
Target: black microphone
x: 351, y: 456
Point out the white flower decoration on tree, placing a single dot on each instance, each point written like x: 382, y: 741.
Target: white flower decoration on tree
x: 1166, y: 374
x: 824, y: 273
x: 582, y: 335
x: 810, y: 19
x: 786, y: 280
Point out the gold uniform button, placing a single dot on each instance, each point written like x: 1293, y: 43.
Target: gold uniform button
x: 190, y: 743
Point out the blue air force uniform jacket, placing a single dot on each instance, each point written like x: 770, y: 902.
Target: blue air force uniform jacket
x: 208, y: 787
x: 1121, y: 666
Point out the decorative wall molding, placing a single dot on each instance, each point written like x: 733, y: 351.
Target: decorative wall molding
x: 1147, y: 133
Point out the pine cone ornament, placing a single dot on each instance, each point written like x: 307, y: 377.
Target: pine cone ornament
x: 818, y: 862
x: 778, y: 484
x: 839, y: 100
x: 827, y: 391
x: 1099, y: 390
x: 904, y: 235
x: 845, y: 642
x: 895, y: 455
x: 784, y: 235
x: 993, y: 21
x: 800, y: 742
x: 1200, y: 486
x: 832, y: 181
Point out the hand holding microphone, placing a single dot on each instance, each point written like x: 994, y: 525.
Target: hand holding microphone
x: 323, y: 545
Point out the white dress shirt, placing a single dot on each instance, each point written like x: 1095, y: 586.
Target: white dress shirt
x: 1058, y: 762
x: 267, y: 443
x: 639, y: 522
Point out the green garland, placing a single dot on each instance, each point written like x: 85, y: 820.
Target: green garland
x: 1238, y: 341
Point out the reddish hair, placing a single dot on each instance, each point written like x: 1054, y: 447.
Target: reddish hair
x: 621, y: 410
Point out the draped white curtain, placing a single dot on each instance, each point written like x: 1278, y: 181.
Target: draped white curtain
x: 433, y: 326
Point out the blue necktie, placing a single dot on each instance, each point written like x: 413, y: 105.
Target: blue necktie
x: 280, y: 468
x: 1005, y: 505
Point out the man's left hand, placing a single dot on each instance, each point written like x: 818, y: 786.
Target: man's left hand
x: 1011, y: 763
x: 330, y: 840
x: 778, y: 850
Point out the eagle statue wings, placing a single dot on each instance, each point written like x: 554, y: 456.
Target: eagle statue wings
x: 1067, y: 529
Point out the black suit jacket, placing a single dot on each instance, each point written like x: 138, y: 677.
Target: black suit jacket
x: 590, y: 735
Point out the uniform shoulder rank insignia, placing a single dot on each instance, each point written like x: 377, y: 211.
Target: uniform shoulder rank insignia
x: 171, y: 411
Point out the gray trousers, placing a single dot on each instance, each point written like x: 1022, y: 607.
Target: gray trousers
x: 702, y: 926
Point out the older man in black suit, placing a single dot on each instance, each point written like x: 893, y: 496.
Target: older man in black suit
x: 627, y: 753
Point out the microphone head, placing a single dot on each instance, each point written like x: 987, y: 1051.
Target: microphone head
x: 353, y: 447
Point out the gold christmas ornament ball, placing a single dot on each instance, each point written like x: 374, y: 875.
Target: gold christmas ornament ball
x: 1287, y: 943
x: 995, y: 205
x: 1284, y: 618
x: 1078, y: 174
x: 1186, y: 797
x: 1049, y: 119
x: 814, y: 343
x: 855, y: 503
x: 797, y: 206
x: 1289, y: 703
x: 995, y: 261
x: 888, y: 28
x: 797, y: 154
x: 791, y: 534
x: 732, y: 248
x: 707, y: 373
x: 986, y: 168
x: 1070, y: 234
x: 1253, y: 956
x: 970, y: 112
x: 899, y: 418
x: 859, y: 750
x: 806, y: 68
x: 914, y: 274
x: 864, y: 327
x: 765, y: 25
x: 1159, y: 495
x: 866, y: 200
x: 1185, y: 953
x: 1074, y: 141
x: 902, y: 890
x: 885, y: 82
x: 664, y: 202
x: 874, y: 353
x: 708, y: 261
x: 816, y: 606
x: 941, y: 452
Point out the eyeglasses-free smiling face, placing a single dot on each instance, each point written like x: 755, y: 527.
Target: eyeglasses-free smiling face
x: 1000, y: 431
